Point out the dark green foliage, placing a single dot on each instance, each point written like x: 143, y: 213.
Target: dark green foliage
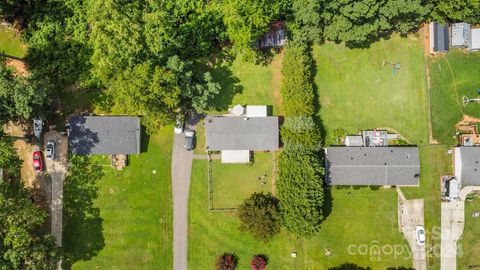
x: 23, y: 244
x: 21, y: 98
x: 349, y: 266
x: 336, y: 137
x: 359, y: 23
x: 227, y: 261
x: 260, y: 216
x: 456, y: 10
x: 81, y: 216
x: 300, y: 190
x: 307, y: 24
x: 300, y: 132
x: 297, y: 89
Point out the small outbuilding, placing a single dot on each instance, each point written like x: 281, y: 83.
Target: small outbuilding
x: 475, y: 40
x: 274, y: 38
x: 460, y: 37
x: 355, y: 140
x: 439, y: 41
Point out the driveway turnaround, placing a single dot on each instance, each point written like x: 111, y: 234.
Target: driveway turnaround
x: 411, y: 214
x: 181, y: 171
x: 453, y: 222
x: 57, y: 168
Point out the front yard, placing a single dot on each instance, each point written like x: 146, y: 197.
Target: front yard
x: 353, y: 224
x: 356, y: 93
x: 135, y: 205
x: 469, y: 244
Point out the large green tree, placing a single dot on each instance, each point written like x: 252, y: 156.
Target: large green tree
x: 456, y: 10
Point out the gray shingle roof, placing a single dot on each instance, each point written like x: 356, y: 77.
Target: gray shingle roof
x: 440, y: 42
x: 236, y: 133
x: 372, y: 166
x: 104, y: 135
x: 468, y: 165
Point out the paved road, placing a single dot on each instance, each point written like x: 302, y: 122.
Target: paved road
x: 181, y: 171
x: 57, y: 169
x: 412, y: 214
x: 453, y: 222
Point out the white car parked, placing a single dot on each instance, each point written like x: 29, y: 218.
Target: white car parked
x: 50, y: 150
x: 420, y: 232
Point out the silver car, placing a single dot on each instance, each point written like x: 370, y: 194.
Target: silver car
x: 50, y: 150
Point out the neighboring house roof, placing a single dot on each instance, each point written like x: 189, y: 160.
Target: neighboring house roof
x: 355, y: 140
x: 460, y: 34
x: 241, y: 133
x: 467, y: 165
x: 439, y: 37
x: 475, y: 40
x: 104, y: 135
x: 376, y: 166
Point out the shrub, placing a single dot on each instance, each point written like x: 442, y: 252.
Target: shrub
x: 300, y: 132
x: 259, y: 262
x: 260, y: 216
x: 300, y: 190
x: 227, y: 261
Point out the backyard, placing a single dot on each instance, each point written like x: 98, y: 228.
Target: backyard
x: 469, y: 244
x: 354, y: 218
x: 256, y: 177
x: 356, y: 93
x: 10, y: 42
x: 453, y: 76
x: 135, y: 207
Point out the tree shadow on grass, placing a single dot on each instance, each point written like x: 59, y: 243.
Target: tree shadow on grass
x: 349, y: 266
x: 82, y: 224
x: 229, y: 87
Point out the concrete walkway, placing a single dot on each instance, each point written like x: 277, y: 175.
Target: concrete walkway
x: 181, y: 170
x: 411, y: 214
x: 453, y: 222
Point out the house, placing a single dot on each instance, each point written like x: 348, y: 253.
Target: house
x: 467, y: 165
x: 438, y: 37
x: 376, y: 166
x: 274, y: 38
x: 237, y: 136
x: 460, y: 35
x: 106, y: 135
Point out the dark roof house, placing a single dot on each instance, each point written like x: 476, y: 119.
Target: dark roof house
x: 439, y: 41
x: 241, y: 133
x: 376, y: 166
x: 467, y: 165
x: 104, y: 135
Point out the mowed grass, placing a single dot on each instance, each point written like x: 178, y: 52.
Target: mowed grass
x: 453, y: 76
x: 243, y: 179
x: 10, y: 42
x: 248, y: 84
x: 356, y: 93
x: 434, y: 162
x: 469, y: 244
x: 360, y: 218
x: 136, y: 207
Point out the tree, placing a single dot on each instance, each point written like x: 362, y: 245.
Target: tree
x: 307, y: 24
x: 349, y: 266
x: 22, y: 98
x: 260, y: 216
x: 259, y: 262
x: 359, y: 23
x: 457, y: 11
x: 300, y: 132
x: 23, y: 243
x: 227, y: 261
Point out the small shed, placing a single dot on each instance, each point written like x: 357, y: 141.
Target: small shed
x: 257, y: 111
x: 460, y: 37
x: 438, y: 37
x: 475, y: 40
x: 235, y: 156
x: 274, y: 38
x: 355, y: 140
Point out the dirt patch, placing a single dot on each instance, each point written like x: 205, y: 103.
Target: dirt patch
x: 21, y: 68
x: 15, y: 129
x: 25, y: 151
x: 467, y: 120
x: 276, y: 82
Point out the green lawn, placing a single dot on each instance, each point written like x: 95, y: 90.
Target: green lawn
x: 453, y: 76
x: 358, y: 217
x: 241, y: 178
x: 248, y: 84
x: 10, y: 42
x: 136, y: 207
x: 434, y: 162
x: 469, y: 244
x: 356, y: 93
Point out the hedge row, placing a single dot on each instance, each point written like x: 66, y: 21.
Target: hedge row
x: 300, y: 182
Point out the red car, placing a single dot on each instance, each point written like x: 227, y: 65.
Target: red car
x: 37, y: 161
